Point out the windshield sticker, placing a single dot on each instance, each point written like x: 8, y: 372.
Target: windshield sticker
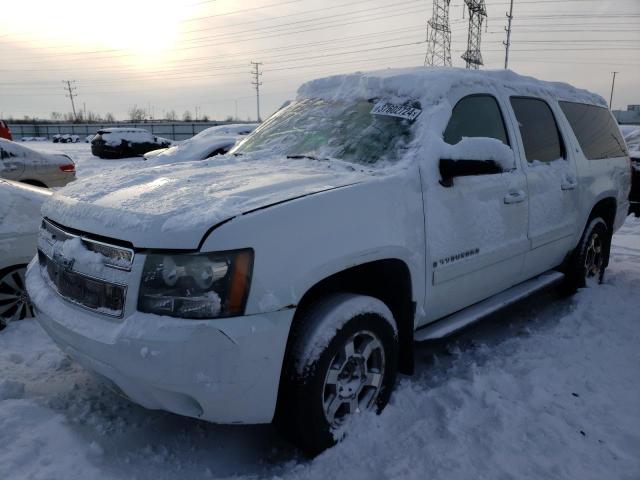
x: 391, y: 110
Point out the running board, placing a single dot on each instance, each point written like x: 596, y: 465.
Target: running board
x: 475, y: 312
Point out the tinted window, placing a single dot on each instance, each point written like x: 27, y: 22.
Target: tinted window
x: 596, y: 131
x: 538, y: 129
x: 476, y: 116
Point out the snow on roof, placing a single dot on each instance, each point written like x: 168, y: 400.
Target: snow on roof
x: 431, y: 84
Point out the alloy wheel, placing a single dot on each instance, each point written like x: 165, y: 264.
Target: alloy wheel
x: 594, y: 258
x: 354, y: 378
x: 14, y: 300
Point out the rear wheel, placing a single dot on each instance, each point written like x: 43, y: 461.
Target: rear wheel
x: 343, y: 362
x: 590, y: 258
x: 14, y: 300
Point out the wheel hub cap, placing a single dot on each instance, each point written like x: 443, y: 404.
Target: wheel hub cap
x: 14, y: 300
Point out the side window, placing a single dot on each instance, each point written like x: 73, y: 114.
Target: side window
x: 538, y: 129
x: 596, y: 131
x: 476, y: 116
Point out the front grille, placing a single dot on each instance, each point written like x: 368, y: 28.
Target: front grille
x: 117, y: 257
x: 83, y: 290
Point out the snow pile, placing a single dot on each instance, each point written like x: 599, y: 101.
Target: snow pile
x: 18, y: 202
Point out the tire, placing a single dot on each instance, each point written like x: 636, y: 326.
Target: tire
x: 14, y: 301
x: 342, y: 360
x: 590, y: 258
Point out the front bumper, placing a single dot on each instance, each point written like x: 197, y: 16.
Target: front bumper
x: 224, y: 371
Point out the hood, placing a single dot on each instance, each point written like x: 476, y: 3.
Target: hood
x: 173, y: 206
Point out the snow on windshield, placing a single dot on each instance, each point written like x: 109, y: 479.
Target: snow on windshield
x: 347, y: 130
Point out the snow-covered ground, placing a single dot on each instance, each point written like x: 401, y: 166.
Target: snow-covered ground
x: 548, y: 389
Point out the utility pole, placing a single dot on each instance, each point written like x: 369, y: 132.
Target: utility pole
x: 256, y: 83
x: 70, y: 95
x: 613, y: 84
x: 477, y: 14
x: 507, y: 44
x: 439, y: 36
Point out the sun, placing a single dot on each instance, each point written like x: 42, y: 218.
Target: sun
x: 144, y: 29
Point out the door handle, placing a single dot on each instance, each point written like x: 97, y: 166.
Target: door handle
x: 568, y: 185
x: 515, y: 196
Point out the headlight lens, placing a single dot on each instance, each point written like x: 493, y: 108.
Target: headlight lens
x: 196, y: 286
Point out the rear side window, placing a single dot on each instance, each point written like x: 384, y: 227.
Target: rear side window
x: 476, y: 116
x: 538, y: 129
x: 596, y: 131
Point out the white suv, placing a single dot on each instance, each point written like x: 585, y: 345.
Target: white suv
x: 289, y: 279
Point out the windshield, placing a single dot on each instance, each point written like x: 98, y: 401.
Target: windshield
x: 349, y: 131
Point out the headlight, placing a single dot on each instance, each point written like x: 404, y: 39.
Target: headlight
x: 197, y: 286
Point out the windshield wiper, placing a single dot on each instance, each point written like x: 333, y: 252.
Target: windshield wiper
x: 298, y: 157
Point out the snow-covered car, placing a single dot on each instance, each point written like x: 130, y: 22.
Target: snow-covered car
x: 125, y: 142
x: 19, y: 223
x: 39, y: 168
x: 632, y: 138
x: 288, y: 280
x: 208, y: 143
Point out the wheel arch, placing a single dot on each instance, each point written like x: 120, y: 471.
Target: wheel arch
x: 388, y: 280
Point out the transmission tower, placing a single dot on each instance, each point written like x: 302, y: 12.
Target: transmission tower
x: 439, y: 36
x: 256, y: 83
x: 477, y: 14
x: 69, y: 88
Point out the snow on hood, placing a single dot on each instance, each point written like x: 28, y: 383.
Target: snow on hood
x: 173, y: 206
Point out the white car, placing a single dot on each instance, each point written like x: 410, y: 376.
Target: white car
x: 288, y: 280
x: 19, y: 224
x: 208, y: 143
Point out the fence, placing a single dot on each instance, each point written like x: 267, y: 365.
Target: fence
x: 171, y: 130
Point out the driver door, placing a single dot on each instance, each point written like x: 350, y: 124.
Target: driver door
x: 477, y: 228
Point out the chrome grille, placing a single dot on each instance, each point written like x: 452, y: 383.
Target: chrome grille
x: 117, y: 257
x: 83, y: 290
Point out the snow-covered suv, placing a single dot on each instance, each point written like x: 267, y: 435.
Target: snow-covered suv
x: 289, y: 279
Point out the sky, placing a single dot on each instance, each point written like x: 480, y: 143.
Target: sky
x: 194, y: 55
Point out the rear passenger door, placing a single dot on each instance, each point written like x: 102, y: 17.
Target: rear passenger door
x: 552, y: 183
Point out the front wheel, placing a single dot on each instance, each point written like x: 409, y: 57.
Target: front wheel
x: 590, y: 258
x: 343, y: 362
x: 14, y: 301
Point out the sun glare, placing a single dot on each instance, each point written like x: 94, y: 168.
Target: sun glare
x: 147, y: 29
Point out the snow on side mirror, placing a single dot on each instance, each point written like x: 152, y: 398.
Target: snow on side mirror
x: 475, y: 156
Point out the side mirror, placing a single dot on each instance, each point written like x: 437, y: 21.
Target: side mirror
x: 475, y: 156
x: 449, y: 169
